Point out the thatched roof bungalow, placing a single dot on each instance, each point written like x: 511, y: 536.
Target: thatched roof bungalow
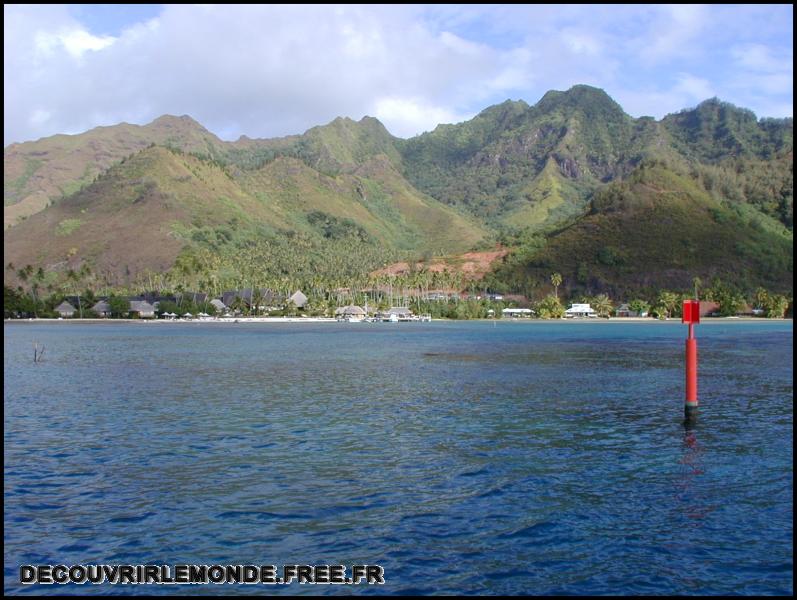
x: 299, y: 299
x: 65, y: 310
x: 102, y: 308
x: 220, y: 307
x: 142, y: 309
x: 350, y: 312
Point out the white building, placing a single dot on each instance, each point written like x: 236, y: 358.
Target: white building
x: 350, y: 313
x: 580, y: 310
x: 516, y: 313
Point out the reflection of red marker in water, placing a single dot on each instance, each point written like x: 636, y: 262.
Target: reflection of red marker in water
x: 691, y: 316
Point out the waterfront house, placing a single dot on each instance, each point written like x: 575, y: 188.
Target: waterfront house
x: 65, y: 310
x: 579, y: 311
x: 267, y: 298
x: 517, y: 313
x: 396, y: 314
x: 709, y: 309
x: 220, y: 307
x: 142, y: 309
x: 102, y: 308
x: 350, y: 313
x: 624, y: 310
x: 745, y: 310
x: 299, y: 299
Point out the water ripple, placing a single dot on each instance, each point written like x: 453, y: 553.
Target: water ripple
x: 465, y: 458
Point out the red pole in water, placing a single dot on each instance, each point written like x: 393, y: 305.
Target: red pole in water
x: 691, y: 316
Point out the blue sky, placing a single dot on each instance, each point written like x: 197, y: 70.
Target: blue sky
x: 112, y: 19
x: 267, y: 71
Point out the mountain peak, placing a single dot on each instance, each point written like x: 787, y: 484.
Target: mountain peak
x: 586, y: 98
x: 505, y: 108
x: 366, y: 120
x: 183, y: 121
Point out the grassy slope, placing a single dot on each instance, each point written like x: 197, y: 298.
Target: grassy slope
x: 144, y: 211
x: 532, y: 168
x: 659, y: 230
x: 515, y: 169
x: 350, y: 170
x: 375, y: 197
x: 133, y: 216
x: 36, y: 173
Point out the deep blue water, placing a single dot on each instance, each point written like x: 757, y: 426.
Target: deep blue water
x: 475, y: 458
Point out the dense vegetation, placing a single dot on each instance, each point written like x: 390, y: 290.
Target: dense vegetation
x: 617, y: 206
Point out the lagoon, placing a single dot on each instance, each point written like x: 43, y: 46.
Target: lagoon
x: 462, y: 457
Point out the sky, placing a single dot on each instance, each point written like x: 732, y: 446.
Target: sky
x: 271, y: 70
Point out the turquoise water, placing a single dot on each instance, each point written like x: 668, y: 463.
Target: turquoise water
x: 475, y: 458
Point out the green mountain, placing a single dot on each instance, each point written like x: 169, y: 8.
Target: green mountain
x: 36, y: 174
x: 737, y: 157
x: 572, y: 183
x: 161, y: 206
x: 716, y: 131
x: 518, y: 166
x: 656, y: 229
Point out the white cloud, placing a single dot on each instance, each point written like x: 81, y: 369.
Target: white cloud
x: 268, y: 70
x: 259, y: 70
x: 758, y: 57
x: 686, y: 91
x: 39, y: 117
x: 581, y: 42
x: 406, y: 117
x: 763, y: 77
x: 674, y: 32
x: 693, y: 88
x: 777, y: 109
x: 78, y: 42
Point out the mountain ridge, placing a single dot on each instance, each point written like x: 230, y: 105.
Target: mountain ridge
x: 515, y: 173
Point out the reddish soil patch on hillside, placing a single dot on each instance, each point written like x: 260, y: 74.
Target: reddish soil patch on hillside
x: 473, y: 265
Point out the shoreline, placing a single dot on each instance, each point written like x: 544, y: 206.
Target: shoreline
x: 246, y: 320
x: 237, y: 320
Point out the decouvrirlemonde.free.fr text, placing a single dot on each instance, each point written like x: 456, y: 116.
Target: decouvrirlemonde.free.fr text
x: 201, y: 574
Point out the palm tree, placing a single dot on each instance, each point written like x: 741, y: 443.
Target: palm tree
x: 761, y: 298
x: 697, y: 282
x: 602, y: 305
x: 24, y: 273
x: 257, y: 300
x: 34, y: 291
x: 72, y: 277
x: 556, y: 281
x: 776, y: 306
x: 639, y: 306
x: 550, y: 308
x: 668, y: 301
